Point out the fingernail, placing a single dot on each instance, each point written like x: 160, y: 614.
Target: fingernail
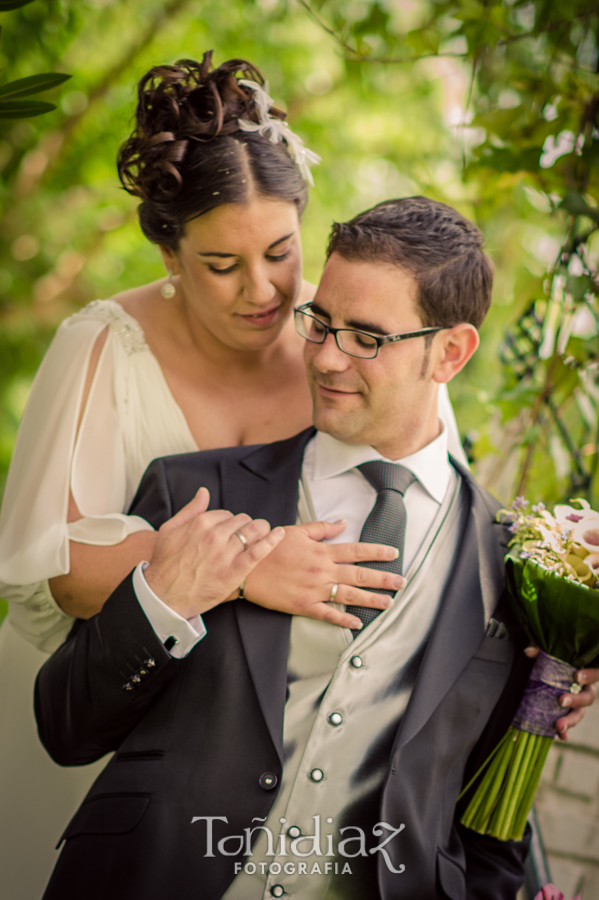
x: 566, y: 701
x: 393, y: 553
x: 358, y: 626
x: 398, y: 582
x: 581, y: 677
x: 279, y: 530
x: 340, y: 522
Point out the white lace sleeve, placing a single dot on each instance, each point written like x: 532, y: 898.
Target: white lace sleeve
x: 47, y: 461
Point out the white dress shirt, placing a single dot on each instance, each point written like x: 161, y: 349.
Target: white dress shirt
x: 165, y: 621
x: 338, y: 491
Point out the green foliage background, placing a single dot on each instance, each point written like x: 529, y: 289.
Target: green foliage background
x: 460, y: 100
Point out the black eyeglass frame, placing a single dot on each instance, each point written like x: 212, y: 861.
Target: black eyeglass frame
x: 381, y: 340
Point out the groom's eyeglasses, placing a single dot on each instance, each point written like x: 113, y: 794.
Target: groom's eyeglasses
x: 350, y: 341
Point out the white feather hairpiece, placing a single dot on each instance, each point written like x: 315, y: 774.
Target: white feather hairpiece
x: 276, y: 130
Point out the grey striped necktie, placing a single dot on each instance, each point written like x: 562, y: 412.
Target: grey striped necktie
x: 386, y: 523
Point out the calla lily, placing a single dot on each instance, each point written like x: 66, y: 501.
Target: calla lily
x: 551, y: 537
x: 592, y: 561
x: 551, y: 521
x: 568, y: 516
x: 550, y: 892
x: 586, y: 533
x: 580, y: 568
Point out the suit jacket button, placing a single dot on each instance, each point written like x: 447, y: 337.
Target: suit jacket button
x: 356, y: 662
x: 277, y: 890
x: 268, y: 781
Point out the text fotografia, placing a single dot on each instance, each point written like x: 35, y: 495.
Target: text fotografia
x: 291, y: 868
x: 351, y: 843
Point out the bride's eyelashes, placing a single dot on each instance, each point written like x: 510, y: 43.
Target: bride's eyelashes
x: 223, y: 271
x: 279, y: 258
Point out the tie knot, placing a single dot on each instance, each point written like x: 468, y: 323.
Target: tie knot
x: 386, y: 476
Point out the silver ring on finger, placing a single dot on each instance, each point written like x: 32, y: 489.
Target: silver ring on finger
x: 334, y: 590
x: 243, y: 540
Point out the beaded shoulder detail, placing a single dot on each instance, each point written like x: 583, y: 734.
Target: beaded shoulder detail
x: 127, y: 329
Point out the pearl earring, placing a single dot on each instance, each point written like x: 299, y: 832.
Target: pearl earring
x: 168, y: 290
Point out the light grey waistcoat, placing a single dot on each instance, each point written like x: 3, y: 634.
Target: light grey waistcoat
x: 345, y: 701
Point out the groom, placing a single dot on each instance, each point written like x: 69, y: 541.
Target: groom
x: 262, y: 755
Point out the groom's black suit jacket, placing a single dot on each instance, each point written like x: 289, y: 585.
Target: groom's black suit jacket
x: 197, y: 736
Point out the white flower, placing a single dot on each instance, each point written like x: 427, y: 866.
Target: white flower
x: 551, y: 538
x: 568, y: 516
x: 586, y: 531
x: 550, y: 521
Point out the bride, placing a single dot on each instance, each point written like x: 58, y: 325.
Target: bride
x: 206, y: 358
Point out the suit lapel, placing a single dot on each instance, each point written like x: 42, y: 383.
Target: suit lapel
x: 472, y: 594
x: 264, y: 484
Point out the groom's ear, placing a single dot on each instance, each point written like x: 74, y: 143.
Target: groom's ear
x: 454, y: 347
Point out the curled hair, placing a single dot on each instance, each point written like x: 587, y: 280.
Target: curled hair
x: 436, y: 244
x: 188, y: 155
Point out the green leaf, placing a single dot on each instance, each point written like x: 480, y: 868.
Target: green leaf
x: 561, y: 616
x: 576, y: 205
x: 33, y: 85
x: 23, y: 109
x: 7, y: 5
x: 508, y: 160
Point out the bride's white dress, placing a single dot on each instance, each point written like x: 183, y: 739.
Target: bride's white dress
x: 130, y: 419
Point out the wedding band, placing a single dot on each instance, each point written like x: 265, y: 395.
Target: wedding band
x: 334, y: 590
x: 243, y: 540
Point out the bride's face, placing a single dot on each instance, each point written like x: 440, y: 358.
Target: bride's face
x: 239, y: 270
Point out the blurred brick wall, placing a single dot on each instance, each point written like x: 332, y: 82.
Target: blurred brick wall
x: 567, y: 807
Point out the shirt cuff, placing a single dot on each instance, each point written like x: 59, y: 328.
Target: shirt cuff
x: 179, y: 635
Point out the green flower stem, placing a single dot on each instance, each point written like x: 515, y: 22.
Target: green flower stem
x: 542, y: 745
x: 506, y: 737
x: 496, y: 780
x: 511, y: 793
x: 503, y: 799
x: 501, y: 811
x: 488, y: 791
x: 527, y: 769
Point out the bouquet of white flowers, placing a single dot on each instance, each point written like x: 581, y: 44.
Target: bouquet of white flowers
x: 552, y: 574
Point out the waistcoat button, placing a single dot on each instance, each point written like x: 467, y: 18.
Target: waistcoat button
x: 277, y: 890
x: 294, y: 831
x: 356, y: 662
x: 316, y: 774
x: 335, y: 718
x: 268, y: 781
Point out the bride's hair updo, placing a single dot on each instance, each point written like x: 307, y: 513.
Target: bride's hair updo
x: 188, y: 154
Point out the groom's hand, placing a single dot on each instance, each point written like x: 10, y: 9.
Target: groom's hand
x: 199, y: 561
x: 576, y: 703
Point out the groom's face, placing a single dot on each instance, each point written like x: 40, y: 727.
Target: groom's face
x: 372, y: 401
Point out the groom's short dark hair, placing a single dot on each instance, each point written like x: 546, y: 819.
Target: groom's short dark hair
x: 438, y: 246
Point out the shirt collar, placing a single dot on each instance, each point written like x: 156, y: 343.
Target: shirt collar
x: 430, y: 465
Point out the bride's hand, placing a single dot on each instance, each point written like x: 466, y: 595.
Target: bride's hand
x: 298, y: 575
x: 200, y: 556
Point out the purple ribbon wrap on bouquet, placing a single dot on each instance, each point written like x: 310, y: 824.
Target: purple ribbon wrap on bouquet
x: 539, y: 708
